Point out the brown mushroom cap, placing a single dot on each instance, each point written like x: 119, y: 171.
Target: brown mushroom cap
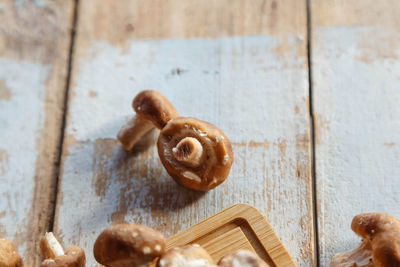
x: 155, y: 107
x: 383, y: 233
x: 9, y: 256
x: 188, y: 256
x: 380, y: 246
x: 74, y: 257
x: 128, y: 245
x: 214, y: 162
x: 242, y: 258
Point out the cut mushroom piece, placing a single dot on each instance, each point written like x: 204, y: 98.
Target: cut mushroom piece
x: 152, y: 110
x: 54, y: 255
x: 9, y: 256
x: 126, y: 245
x: 380, y: 246
x: 50, y: 247
x: 242, y: 258
x: 186, y: 256
x: 195, y: 153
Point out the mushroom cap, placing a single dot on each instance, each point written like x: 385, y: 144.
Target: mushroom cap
x: 74, y: 257
x: 186, y: 256
x: 128, y: 245
x: 9, y: 256
x: 383, y: 233
x: 242, y: 258
x: 155, y: 107
x: 218, y: 157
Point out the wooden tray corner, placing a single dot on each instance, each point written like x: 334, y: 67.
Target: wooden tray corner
x: 238, y: 227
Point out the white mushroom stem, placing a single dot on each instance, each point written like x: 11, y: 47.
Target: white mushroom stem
x: 50, y: 246
x: 189, y: 151
x: 361, y: 256
x: 133, y: 130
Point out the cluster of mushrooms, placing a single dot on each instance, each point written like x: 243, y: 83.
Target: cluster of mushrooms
x: 52, y: 252
x: 198, y: 156
x: 128, y: 245
x: 195, y: 153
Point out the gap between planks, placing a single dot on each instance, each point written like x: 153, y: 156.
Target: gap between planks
x: 65, y: 111
x: 312, y: 135
x: 311, y: 125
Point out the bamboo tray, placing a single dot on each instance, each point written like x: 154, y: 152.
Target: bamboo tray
x: 238, y: 227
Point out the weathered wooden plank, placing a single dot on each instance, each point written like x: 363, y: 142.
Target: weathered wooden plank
x: 241, y: 65
x: 34, y: 50
x: 356, y: 96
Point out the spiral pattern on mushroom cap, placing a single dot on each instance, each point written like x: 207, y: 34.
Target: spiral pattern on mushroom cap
x: 217, y: 150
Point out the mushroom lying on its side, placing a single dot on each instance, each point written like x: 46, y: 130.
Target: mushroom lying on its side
x: 9, y: 256
x: 242, y: 258
x: 54, y: 255
x: 128, y: 245
x: 186, y: 256
x: 195, y: 153
x: 380, y: 246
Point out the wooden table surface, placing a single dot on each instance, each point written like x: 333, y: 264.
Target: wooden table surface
x: 307, y: 91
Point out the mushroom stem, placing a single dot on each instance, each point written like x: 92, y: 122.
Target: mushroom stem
x: 189, y: 151
x: 133, y: 130
x: 360, y: 256
x: 50, y: 247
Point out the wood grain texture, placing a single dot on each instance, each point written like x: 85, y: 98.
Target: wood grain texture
x: 238, y: 227
x: 34, y: 46
x: 240, y: 65
x: 356, y: 96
